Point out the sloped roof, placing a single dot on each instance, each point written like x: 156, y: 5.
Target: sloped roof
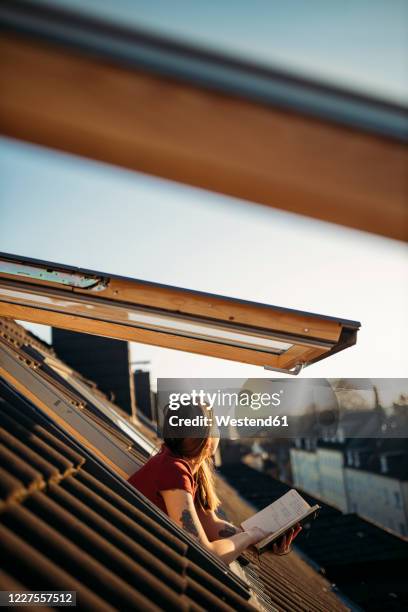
x: 69, y: 521
x: 73, y: 401
x: 368, y: 564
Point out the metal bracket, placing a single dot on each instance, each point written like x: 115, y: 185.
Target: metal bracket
x: 294, y: 371
x: 70, y: 279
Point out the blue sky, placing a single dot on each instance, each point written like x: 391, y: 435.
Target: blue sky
x: 60, y: 208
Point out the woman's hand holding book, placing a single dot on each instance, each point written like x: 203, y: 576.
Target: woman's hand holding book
x: 284, y: 545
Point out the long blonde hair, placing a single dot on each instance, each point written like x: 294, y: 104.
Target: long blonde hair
x: 194, y: 447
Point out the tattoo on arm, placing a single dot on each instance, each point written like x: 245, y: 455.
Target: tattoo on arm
x: 227, y: 532
x: 188, y: 523
x: 221, y: 514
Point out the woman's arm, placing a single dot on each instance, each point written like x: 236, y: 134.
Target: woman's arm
x: 216, y: 527
x: 180, y: 507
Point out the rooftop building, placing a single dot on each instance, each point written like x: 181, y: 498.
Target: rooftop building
x: 70, y: 521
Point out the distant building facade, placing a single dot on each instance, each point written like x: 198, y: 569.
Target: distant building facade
x: 320, y: 471
x: 356, y: 477
x: 382, y: 495
x: 330, y: 463
x: 305, y: 468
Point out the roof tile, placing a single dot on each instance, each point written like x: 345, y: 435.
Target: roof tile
x: 31, y: 566
x: 23, y: 472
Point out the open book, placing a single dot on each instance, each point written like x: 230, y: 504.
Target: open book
x: 280, y: 516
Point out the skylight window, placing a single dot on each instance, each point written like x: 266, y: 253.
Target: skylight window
x: 149, y: 313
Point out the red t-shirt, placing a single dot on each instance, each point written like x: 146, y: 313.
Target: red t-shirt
x: 163, y: 472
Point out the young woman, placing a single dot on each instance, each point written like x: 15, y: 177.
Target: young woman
x: 179, y: 480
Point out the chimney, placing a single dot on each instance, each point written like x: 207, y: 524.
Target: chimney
x: 104, y: 361
x: 143, y: 396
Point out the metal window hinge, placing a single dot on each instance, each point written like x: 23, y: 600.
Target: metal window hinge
x: 294, y: 371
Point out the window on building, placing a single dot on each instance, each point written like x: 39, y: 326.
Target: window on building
x: 383, y: 464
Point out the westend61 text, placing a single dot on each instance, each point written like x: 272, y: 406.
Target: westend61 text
x: 226, y: 421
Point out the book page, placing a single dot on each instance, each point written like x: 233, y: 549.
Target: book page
x: 287, y: 509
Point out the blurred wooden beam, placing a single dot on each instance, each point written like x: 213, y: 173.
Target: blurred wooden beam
x: 100, y: 109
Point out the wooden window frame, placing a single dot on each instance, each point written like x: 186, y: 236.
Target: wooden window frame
x: 103, y: 309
